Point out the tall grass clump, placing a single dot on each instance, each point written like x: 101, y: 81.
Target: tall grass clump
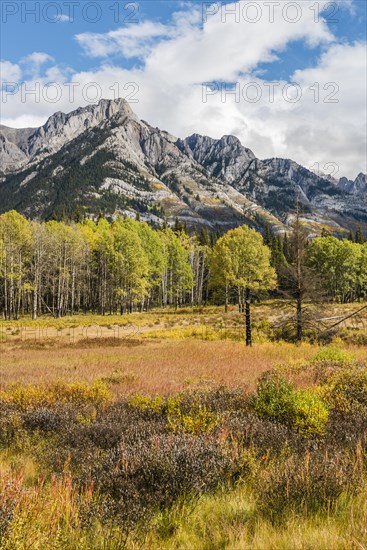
x: 307, y: 483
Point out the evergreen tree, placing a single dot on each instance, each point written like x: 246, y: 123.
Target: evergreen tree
x: 268, y: 235
x: 286, y: 248
x: 359, y: 236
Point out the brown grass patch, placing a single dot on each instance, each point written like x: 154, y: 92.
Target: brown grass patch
x: 152, y: 366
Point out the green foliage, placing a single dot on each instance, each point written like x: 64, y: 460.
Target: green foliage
x: 277, y: 400
x: 345, y: 388
x: 274, y: 398
x: 64, y: 268
x: 194, y: 418
x: 341, y: 266
x: 241, y: 260
x: 16, y: 241
x: 332, y: 354
x: 146, y: 403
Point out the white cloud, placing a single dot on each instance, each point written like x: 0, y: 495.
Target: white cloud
x: 33, y: 62
x: 180, y: 56
x: 135, y: 40
x: 9, y: 72
x: 37, y: 58
x: 226, y: 47
x: 63, y: 18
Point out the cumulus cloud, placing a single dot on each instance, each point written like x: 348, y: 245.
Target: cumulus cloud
x: 9, y: 72
x: 37, y: 58
x: 215, y: 46
x: 33, y: 62
x: 133, y: 41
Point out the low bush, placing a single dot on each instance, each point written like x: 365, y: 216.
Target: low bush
x: 219, y: 400
x: 198, y: 420
x: 332, y: 355
x: 347, y: 428
x: 345, y: 388
x: 357, y: 337
x: 146, y: 403
x: 277, y: 400
x: 193, y: 412
x: 151, y: 474
x: 10, y: 495
x: 10, y: 423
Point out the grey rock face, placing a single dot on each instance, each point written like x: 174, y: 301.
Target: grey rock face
x: 33, y: 144
x: 356, y: 187
x: 61, y: 128
x: 11, y: 156
x: 103, y: 157
x: 224, y: 158
x: 360, y: 184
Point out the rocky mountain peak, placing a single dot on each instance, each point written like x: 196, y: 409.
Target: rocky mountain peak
x: 360, y: 183
x: 230, y: 140
x: 33, y: 144
x: 224, y: 158
x: 61, y: 128
x: 356, y: 187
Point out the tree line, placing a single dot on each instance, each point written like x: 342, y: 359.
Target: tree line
x: 64, y: 268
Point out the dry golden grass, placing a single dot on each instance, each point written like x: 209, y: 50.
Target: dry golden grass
x: 159, y: 352
x: 270, y: 310
x: 159, y: 366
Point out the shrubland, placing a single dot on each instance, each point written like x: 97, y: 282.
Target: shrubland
x: 281, y: 465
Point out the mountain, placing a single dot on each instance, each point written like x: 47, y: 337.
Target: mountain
x: 356, y: 187
x: 37, y: 143
x: 104, y: 158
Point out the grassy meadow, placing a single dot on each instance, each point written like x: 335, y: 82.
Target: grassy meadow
x: 168, y: 432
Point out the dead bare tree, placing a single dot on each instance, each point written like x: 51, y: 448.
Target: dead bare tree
x: 300, y: 285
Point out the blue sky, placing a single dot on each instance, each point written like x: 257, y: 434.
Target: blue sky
x: 170, y: 48
x: 21, y: 33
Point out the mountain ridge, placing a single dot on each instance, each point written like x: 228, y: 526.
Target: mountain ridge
x: 103, y: 157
